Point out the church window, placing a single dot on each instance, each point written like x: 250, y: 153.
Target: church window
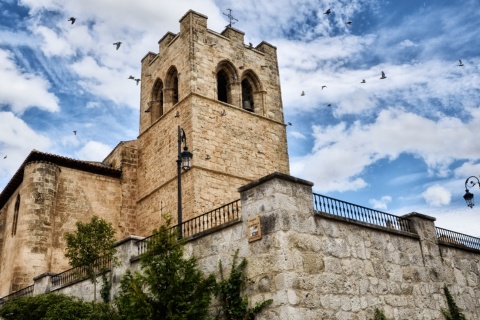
x: 247, y: 95
x: 15, y: 215
x: 252, y: 99
x: 156, y: 104
x: 222, y: 86
x: 172, y: 85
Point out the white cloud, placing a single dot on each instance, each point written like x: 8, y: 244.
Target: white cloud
x: 21, y: 91
x: 17, y: 140
x: 437, y: 196
x: 380, y: 204
x: 52, y: 44
x: 93, y: 151
x: 298, y: 135
x: 407, y: 43
x: 341, y: 152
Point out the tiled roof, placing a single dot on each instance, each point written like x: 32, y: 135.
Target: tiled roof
x: 35, y: 155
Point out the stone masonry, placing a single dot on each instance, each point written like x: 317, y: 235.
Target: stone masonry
x: 316, y: 266
x: 226, y: 97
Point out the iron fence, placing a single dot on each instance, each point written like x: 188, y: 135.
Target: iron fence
x: 209, y: 220
x: 359, y: 213
x: 79, y: 273
x: 24, y: 292
x: 457, y: 238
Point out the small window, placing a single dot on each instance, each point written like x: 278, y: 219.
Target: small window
x: 175, y: 90
x: 156, y: 105
x: 172, y: 94
x: 15, y: 216
x: 247, y: 95
x: 222, y: 86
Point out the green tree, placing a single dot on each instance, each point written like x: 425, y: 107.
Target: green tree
x: 453, y: 312
x: 55, y: 306
x: 229, y: 291
x: 379, y: 315
x: 90, y: 246
x: 170, y: 286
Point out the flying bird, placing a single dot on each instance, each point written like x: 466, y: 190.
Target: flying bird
x: 383, y: 75
x: 363, y: 81
x: 137, y: 80
x: 75, y: 132
x: 329, y: 105
x: 5, y: 157
x: 328, y: 11
x: 117, y: 44
x: 72, y: 19
x: 289, y: 123
x: 131, y: 77
x: 323, y: 87
x: 250, y: 44
x: 349, y: 23
x: 303, y: 93
x: 460, y: 64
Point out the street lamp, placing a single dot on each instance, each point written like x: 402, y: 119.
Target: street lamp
x: 469, y: 196
x: 183, y: 162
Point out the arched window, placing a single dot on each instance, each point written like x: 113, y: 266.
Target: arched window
x: 247, y: 95
x: 227, y: 88
x: 15, y: 215
x: 252, y: 94
x: 222, y: 86
x: 156, y: 105
x: 172, y: 85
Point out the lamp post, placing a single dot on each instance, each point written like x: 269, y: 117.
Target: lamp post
x: 469, y: 196
x: 183, y: 162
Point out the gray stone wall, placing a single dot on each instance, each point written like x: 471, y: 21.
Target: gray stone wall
x: 317, y: 266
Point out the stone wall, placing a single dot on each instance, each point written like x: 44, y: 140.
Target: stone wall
x: 53, y: 199
x: 125, y: 158
x: 318, y: 266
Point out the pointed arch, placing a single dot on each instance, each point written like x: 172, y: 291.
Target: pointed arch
x: 156, y: 104
x: 226, y: 77
x: 252, y: 97
x: 172, y: 85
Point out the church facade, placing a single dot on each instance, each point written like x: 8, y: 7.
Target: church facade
x: 223, y: 94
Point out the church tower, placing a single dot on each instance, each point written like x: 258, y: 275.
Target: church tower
x: 226, y: 97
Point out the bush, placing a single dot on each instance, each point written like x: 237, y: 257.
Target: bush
x: 55, y: 306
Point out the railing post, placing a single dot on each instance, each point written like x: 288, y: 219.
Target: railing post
x: 41, y: 283
x: 424, y: 226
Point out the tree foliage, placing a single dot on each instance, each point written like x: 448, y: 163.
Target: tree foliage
x: 453, y: 312
x: 170, y: 287
x: 229, y: 291
x: 90, y: 246
x: 379, y: 315
x: 55, y: 306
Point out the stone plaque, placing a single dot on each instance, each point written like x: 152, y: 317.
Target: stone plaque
x: 254, y: 229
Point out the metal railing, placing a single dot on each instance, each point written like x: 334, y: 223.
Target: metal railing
x: 24, y: 292
x: 358, y: 213
x: 79, y: 273
x: 204, y: 222
x: 457, y: 238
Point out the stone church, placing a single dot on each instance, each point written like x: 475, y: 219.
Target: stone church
x: 224, y: 95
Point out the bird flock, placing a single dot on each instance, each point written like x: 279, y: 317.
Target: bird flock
x: 117, y: 45
x: 383, y: 76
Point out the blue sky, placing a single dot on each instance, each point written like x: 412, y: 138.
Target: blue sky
x: 401, y: 144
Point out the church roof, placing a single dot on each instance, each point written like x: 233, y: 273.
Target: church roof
x: 38, y: 156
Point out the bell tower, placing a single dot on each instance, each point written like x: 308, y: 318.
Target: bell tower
x: 226, y: 97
